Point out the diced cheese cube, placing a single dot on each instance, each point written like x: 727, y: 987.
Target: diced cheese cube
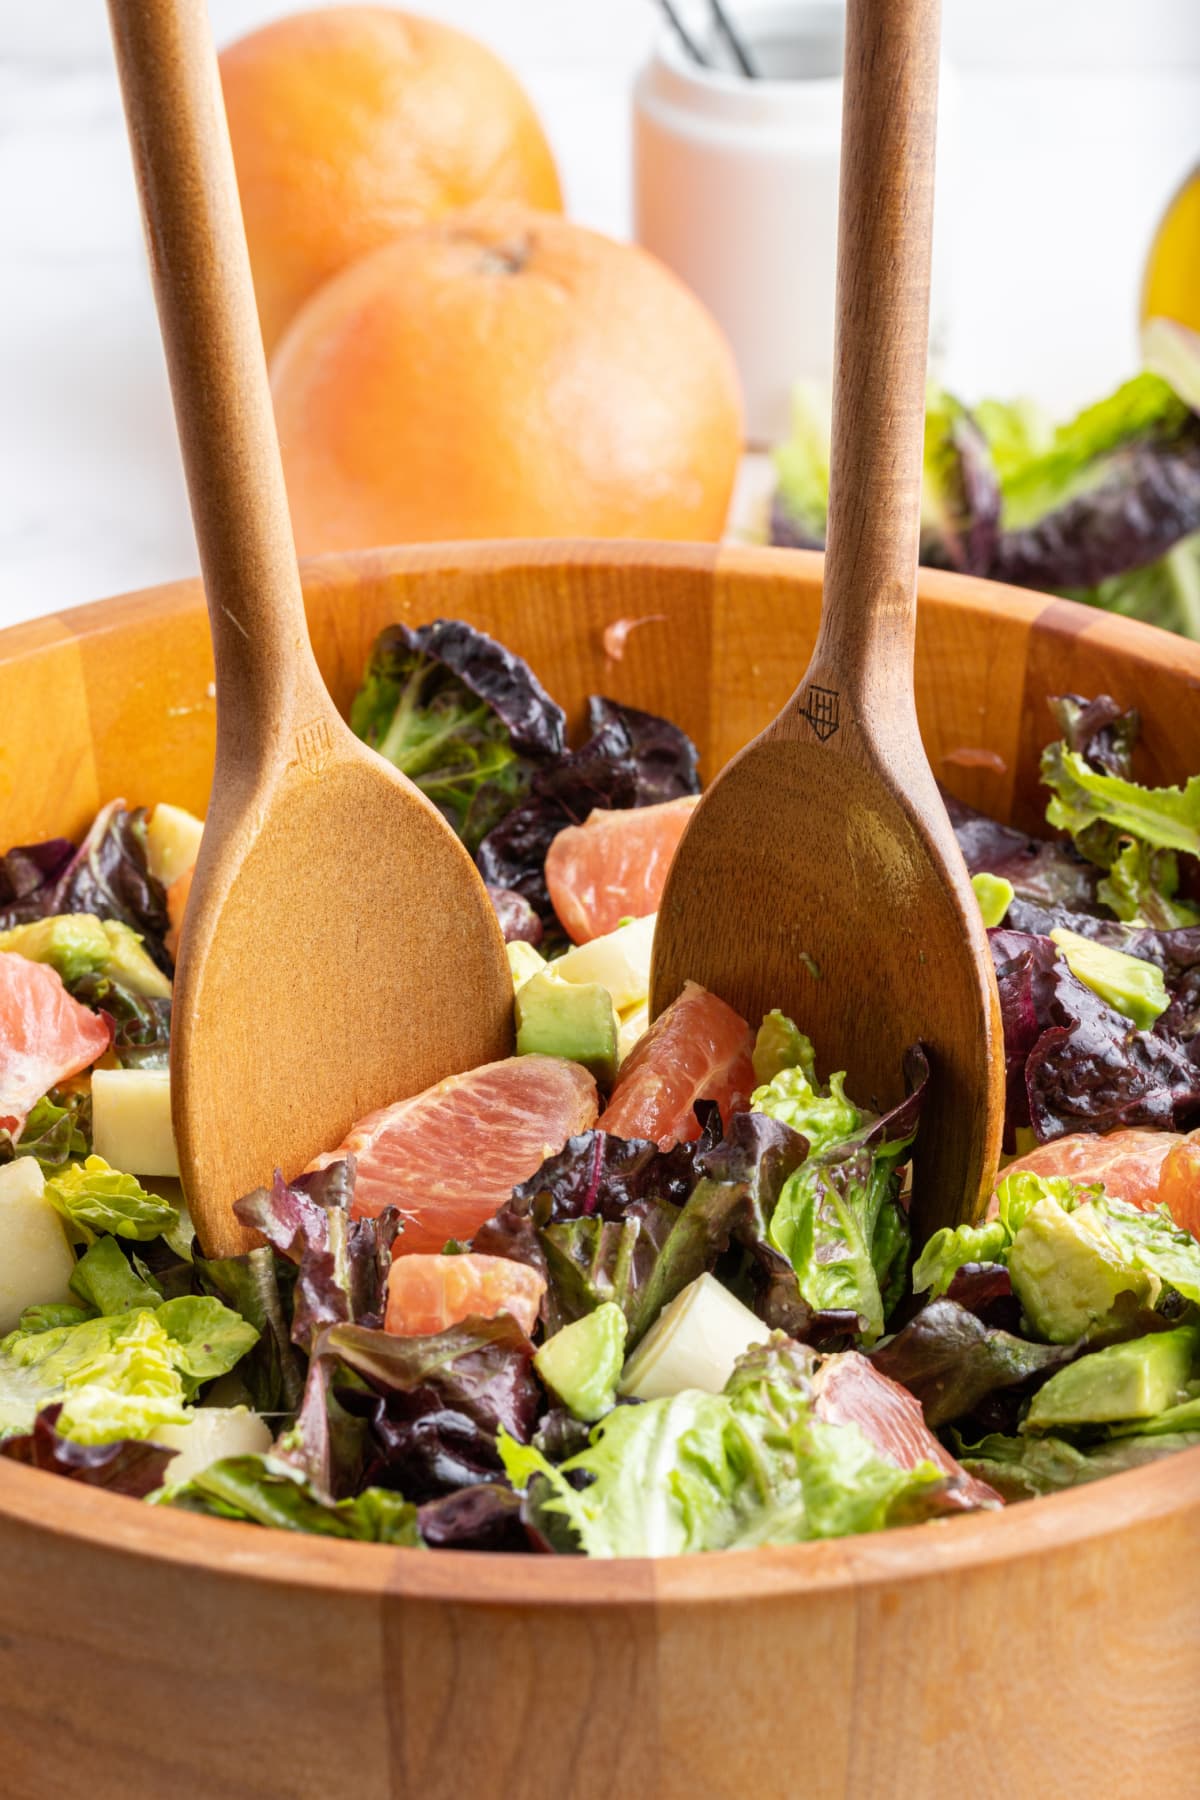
x: 36, y: 1260
x: 619, y: 961
x: 131, y: 1120
x: 693, y: 1343
x: 172, y: 842
x: 213, y: 1432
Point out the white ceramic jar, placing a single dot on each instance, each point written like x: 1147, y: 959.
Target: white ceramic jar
x: 735, y: 188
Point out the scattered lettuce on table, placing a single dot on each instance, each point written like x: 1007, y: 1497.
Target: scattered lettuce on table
x: 1105, y: 507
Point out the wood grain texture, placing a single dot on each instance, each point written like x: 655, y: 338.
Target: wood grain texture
x: 339, y: 951
x: 819, y: 874
x: 147, y: 1653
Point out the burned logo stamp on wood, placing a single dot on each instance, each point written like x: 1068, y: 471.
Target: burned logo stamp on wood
x: 821, y: 711
x: 314, y: 746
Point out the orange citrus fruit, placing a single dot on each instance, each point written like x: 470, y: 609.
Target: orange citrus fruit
x: 698, y: 1049
x: 352, y: 122
x: 45, y: 1035
x: 505, y: 373
x: 428, y: 1294
x: 614, y: 866
x: 450, y: 1157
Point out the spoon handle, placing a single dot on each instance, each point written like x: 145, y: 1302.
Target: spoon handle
x: 209, y: 323
x: 885, y: 221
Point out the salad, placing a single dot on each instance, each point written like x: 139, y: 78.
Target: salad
x: 1104, y: 508
x: 642, y: 1288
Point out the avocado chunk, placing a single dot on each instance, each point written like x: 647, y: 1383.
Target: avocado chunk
x: 995, y: 895
x: 1067, y: 1272
x: 582, y: 1362
x: 129, y: 964
x: 1132, y: 985
x: 576, y: 1021
x: 1134, y: 1380
x: 74, y: 944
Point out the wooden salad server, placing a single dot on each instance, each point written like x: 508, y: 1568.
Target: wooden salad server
x: 340, y: 950
x: 820, y: 873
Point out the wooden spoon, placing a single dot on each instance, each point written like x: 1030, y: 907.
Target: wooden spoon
x: 340, y: 949
x: 819, y: 872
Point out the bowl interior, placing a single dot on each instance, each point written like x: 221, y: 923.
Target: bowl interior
x: 117, y: 698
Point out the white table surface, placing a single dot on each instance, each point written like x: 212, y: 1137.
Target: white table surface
x: 1080, y: 117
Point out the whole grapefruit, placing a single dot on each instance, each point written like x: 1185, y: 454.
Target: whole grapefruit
x: 505, y: 373
x: 351, y: 122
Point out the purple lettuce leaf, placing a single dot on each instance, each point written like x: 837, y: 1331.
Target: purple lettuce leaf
x: 494, y: 674
x: 327, y: 1442
x: 461, y: 716
x: 124, y: 1467
x: 342, y: 1263
x: 602, y: 774
x: 434, y: 1404
x: 1101, y: 731
x: 666, y: 760
x: 109, y: 876
x: 24, y: 872
x: 518, y: 921
x: 1176, y: 952
x: 141, y: 1024
x: 951, y: 1360
x: 258, y: 1285
x: 1073, y: 1062
x: 985, y: 1289
x: 1041, y: 870
x: 597, y: 1173
x: 486, y: 1517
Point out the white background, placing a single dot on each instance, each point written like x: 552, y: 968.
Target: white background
x: 1079, y: 119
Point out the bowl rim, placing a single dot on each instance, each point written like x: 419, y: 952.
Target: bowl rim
x: 100, y: 1522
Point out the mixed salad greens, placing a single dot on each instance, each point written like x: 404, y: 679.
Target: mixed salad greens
x: 1104, y: 508
x: 711, y: 1333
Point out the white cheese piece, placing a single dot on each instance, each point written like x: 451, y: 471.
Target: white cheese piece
x: 172, y: 842
x: 523, y: 962
x: 693, y: 1343
x: 36, y: 1260
x: 630, y: 1027
x: 131, y: 1120
x: 214, y: 1432
x: 619, y: 961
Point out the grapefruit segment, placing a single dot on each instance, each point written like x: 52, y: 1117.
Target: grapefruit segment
x: 450, y: 1157
x: 849, y: 1390
x: 1179, y: 1182
x: 428, y: 1294
x: 45, y: 1035
x: 698, y: 1049
x: 614, y: 866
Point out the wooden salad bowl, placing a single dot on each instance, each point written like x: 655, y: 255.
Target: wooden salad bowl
x: 1051, y: 1648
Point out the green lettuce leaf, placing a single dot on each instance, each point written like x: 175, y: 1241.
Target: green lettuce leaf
x: 695, y: 1472
x: 58, y: 1128
x: 780, y: 1044
x: 119, y: 1377
x: 107, y: 1285
x: 1023, y: 1468
x: 1152, y: 1241
x: 1141, y: 886
x: 1102, y: 812
x: 792, y: 1097
x: 951, y: 1248
x: 93, y: 1197
x: 262, y: 1490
